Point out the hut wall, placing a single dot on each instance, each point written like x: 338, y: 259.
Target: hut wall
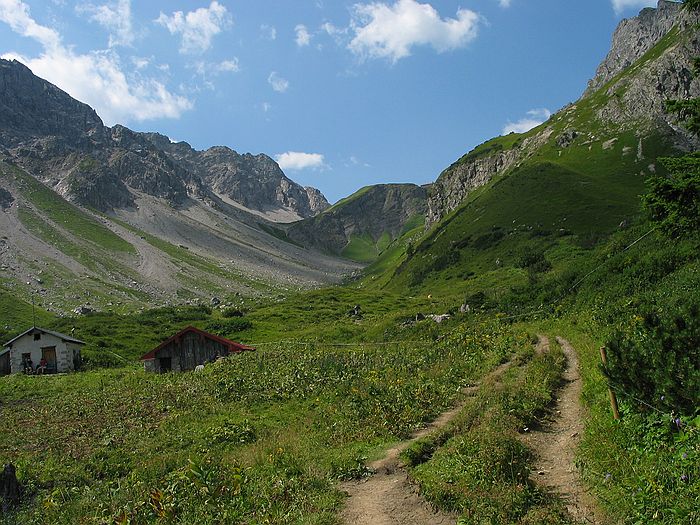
x: 191, y: 350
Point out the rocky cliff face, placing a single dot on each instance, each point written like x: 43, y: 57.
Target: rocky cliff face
x: 373, y: 211
x: 65, y: 144
x: 634, y: 37
x: 255, y: 181
x: 651, y: 61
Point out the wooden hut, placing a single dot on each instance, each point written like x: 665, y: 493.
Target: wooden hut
x: 189, y: 348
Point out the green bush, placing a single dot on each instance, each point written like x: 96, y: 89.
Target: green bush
x: 232, y: 325
x: 657, y: 360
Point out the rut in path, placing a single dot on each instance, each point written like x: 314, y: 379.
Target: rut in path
x: 388, y: 497
x: 555, y: 443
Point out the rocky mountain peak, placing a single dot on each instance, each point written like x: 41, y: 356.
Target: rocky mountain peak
x: 31, y: 107
x: 634, y: 37
x: 46, y: 131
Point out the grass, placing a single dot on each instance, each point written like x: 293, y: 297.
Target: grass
x: 261, y: 437
x: 477, y: 466
x: 67, y: 216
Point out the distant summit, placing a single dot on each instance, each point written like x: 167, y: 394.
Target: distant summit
x: 66, y: 144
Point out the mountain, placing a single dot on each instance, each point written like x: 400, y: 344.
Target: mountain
x: 110, y: 218
x: 622, y: 111
x: 563, y: 187
x: 254, y: 181
x: 362, y: 225
x: 66, y: 144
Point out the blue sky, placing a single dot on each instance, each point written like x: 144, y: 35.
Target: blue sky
x: 342, y: 93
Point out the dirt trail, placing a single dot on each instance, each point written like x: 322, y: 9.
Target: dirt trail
x: 388, y: 497
x: 555, y: 443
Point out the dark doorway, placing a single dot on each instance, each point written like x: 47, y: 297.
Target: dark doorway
x: 166, y: 364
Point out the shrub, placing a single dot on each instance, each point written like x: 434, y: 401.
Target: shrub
x: 657, y: 360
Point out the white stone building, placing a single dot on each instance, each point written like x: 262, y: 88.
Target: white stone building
x: 62, y: 352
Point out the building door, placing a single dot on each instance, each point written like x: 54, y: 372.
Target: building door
x: 49, y: 353
x: 166, y: 364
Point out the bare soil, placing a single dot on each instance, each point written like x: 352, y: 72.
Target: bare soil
x: 388, y: 497
x: 555, y: 442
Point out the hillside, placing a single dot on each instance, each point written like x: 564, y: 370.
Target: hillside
x: 106, y: 218
x: 563, y: 187
x: 361, y: 226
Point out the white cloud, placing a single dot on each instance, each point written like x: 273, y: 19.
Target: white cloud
x: 116, y: 18
x: 95, y: 78
x: 266, y: 106
x: 16, y: 14
x: 228, y: 66
x: 141, y: 62
x: 620, y: 5
x: 278, y: 83
x: 504, y: 3
x: 303, y: 37
x: 295, y: 160
x: 198, y: 27
x: 391, y: 31
x: 534, y: 118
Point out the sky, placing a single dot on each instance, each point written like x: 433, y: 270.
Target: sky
x: 341, y: 93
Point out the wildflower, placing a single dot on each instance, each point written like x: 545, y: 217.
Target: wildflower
x: 684, y: 478
x: 678, y: 423
x: 608, y: 476
x: 684, y: 455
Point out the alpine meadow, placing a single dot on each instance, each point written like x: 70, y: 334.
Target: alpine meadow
x: 190, y: 336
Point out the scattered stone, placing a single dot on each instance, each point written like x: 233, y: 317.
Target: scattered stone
x: 609, y: 143
x: 83, y: 310
x: 215, y: 301
x: 566, y: 138
x: 465, y: 309
x: 440, y: 318
x: 623, y: 225
x: 420, y: 317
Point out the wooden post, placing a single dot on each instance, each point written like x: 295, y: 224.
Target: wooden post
x: 613, y: 397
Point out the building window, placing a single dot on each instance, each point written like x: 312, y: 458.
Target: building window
x: 37, y: 337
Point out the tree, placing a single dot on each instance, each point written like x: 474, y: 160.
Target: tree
x: 674, y: 201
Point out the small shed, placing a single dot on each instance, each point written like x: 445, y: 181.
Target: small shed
x: 61, y: 351
x: 187, y: 349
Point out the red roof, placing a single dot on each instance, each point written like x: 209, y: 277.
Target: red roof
x: 232, y: 345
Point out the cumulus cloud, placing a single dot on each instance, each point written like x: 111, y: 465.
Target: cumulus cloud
x: 197, y: 28
x: 278, y: 83
x: 95, y: 78
x: 115, y: 17
x: 620, y: 5
x: 534, y: 118
x: 504, y: 3
x: 391, y: 31
x: 295, y: 160
x: 16, y: 14
x: 303, y: 37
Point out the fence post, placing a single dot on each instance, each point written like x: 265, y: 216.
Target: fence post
x: 613, y: 397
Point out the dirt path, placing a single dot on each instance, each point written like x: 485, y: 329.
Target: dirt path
x: 555, y: 443
x: 388, y: 497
